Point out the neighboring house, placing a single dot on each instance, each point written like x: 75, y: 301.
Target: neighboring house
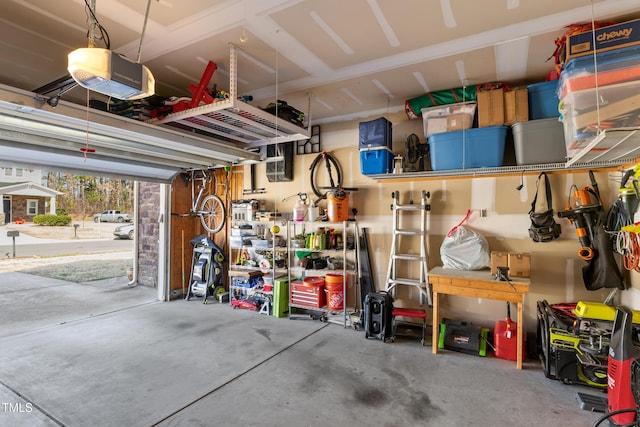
x: 22, y: 196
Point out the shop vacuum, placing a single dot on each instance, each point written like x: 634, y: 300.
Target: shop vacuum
x: 623, y: 378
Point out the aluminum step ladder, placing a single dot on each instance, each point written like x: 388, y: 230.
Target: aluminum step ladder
x: 416, y: 237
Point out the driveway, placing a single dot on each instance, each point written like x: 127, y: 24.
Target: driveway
x: 46, y: 241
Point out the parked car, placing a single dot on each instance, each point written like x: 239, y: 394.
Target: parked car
x: 112, y: 216
x: 124, y: 231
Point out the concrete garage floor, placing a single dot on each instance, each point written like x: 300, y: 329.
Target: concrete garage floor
x: 109, y: 355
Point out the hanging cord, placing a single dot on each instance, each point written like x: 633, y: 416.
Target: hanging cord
x: 144, y: 30
x: 595, y: 67
x: 104, y: 36
x: 627, y: 244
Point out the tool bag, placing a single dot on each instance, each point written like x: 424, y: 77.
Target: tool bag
x: 543, y: 227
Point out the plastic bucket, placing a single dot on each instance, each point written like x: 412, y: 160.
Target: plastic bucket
x: 333, y: 284
x: 337, y: 206
x: 313, y: 281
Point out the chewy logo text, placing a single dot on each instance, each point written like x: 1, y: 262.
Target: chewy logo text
x: 620, y: 34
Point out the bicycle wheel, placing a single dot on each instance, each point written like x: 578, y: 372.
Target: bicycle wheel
x: 212, y: 214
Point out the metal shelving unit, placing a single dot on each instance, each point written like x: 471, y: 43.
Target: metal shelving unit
x: 348, y: 254
x: 233, y: 120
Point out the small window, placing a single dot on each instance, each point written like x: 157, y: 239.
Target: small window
x: 32, y: 207
x: 18, y: 172
x: 8, y: 171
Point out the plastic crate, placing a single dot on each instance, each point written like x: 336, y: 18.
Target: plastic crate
x: 376, y: 161
x: 581, y: 112
x: 615, y: 66
x: 448, y: 118
x: 375, y: 133
x: 539, y: 142
x: 543, y: 100
x: 464, y: 149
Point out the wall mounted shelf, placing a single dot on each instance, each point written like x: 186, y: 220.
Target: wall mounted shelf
x: 610, y: 145
x: 503, y: 170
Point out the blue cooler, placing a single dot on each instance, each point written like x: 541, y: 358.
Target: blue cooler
x: 472, y: 148
x: 375, y: 133
x: 543, y: 100
x: 375, y: 161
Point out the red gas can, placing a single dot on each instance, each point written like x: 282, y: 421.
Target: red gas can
x: 505, y: 338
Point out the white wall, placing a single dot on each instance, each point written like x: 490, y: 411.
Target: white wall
x: 556, y: 268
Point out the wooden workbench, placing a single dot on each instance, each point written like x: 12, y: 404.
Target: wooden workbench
x: 476, y: 284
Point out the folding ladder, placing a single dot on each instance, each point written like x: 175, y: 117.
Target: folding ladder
x: 416, y: 237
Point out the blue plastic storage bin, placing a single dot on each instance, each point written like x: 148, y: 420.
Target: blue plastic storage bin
x: 375, y: 133
x: 464, y: 149
x: 613, y: 67
x: 376, y: 161
x: 543, y: 100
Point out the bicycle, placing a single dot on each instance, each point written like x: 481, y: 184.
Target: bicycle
x: 211, y: 210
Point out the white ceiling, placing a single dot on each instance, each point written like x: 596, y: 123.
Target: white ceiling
x: 339, y: 59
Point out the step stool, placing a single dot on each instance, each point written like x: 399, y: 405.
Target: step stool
x: 415, y: 313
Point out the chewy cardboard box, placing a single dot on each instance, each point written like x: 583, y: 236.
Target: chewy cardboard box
x: 615, y: 36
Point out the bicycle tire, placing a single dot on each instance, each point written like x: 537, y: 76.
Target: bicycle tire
x: 329, y: 159
x: 212, y: 213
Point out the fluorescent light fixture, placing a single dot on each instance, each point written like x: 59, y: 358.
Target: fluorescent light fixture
x: 111, y: 74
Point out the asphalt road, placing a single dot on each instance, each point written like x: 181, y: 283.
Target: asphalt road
x: 65, y: 247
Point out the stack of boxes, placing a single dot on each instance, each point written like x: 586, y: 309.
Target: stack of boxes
x: 532, y: 113
x: 601, y: 93
x: 550, y: 121
x: 375, y: 143
x: 455, y: 144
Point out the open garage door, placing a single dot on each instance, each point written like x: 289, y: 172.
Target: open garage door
x: 76, y: 138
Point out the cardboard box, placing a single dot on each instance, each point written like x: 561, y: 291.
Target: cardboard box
x: 436, y: 125
x: 436, y: 119
x: 459, y: 122
x: 519, y: 264
x: 498, y: 259
x: 491, y: 108
x: 516, y: 106
x: 612, y: 37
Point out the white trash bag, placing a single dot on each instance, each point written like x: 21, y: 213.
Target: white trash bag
x: 464, y: 249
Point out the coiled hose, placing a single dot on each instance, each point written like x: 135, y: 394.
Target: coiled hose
x: 330, y: 162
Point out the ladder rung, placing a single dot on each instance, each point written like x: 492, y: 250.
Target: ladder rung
x: 409, y: 207
x: 409, y: 257
x: 408, y: 232
x: 410, y: 282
